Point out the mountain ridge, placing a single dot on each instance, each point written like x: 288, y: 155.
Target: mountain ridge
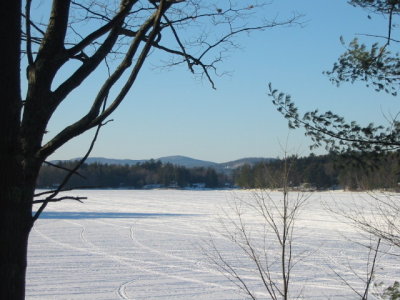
x: 178, y: 160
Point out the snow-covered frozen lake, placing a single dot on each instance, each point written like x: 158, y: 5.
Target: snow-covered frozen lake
x: 152, y: 244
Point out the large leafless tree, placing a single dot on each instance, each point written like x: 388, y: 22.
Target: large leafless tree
x: 50, y: 49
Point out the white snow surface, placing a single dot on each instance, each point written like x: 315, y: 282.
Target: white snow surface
x: 153, y: 244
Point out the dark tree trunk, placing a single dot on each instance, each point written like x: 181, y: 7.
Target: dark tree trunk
x: 15, y: 224
x: 16, y: 187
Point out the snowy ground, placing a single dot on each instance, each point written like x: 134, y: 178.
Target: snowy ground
x: 131, y: 244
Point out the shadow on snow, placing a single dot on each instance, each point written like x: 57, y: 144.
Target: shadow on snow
x: 105, y: 215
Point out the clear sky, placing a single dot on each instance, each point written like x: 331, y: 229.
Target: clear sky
x: 172, y: 113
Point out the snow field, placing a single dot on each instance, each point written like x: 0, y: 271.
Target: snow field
x: 152, y: 244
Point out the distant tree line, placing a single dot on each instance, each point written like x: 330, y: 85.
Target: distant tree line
x: 149, y: 174
x: 350, y: 171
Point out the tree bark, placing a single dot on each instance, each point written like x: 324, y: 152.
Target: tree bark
x: 16, y: 187
x: 15, y: 225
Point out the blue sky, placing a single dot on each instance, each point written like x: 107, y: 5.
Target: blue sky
x: 172, y: 113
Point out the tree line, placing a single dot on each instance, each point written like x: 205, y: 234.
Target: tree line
x: 149, y: 174
x: 351, y: 171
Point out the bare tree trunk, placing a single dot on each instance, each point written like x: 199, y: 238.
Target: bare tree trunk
x: 15, y: 224
x: 16, y: 188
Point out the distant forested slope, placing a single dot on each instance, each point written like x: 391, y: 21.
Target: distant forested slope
x: 353, y: 171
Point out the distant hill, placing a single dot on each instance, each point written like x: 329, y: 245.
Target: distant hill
x: 187, y: 162
x: 179, y: 160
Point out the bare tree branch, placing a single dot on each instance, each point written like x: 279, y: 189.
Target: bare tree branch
x: 278, y: 219
x: 63, y: 168
x: 53, y: 40
x: 93, y: 118
x: 28, y: 31
x: 66, y: 179
x: 79, y: 199
x: 113, y: 23
x: 92, y: 63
